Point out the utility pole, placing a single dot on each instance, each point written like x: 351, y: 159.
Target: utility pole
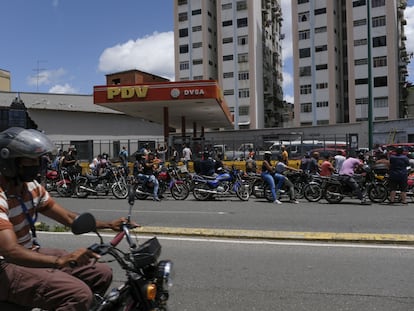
x: 38, y: 70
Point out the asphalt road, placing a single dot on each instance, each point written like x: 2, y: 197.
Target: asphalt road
x: 256, y: 218
x: 246, y: 275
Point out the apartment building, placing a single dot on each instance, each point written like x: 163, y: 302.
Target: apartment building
x: 350, y: 61
x: 237, y: 43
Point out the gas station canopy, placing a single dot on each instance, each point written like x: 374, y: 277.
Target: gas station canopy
x: 191, y: 102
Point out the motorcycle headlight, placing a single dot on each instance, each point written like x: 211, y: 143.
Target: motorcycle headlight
x: 165, y: 274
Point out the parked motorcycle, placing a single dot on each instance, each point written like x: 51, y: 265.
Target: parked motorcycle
x: 112, y: 180
x: 148, y: 280
x: 224, y: 184
x: 168, y: 178
x: 51, y: 180
x: 65, y: 187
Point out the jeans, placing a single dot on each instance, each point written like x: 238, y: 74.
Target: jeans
x: 270, y: 180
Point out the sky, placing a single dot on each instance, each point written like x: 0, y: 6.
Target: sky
x: 68, y: 46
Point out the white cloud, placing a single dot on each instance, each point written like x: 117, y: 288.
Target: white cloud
x: 46, y: 77
x: 63, y: 89
x: 153, y: 53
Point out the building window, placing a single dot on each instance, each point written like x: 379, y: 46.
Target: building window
x: 197, y: 28
x: 380, y: 81
x: 361, y: 81
x: 305, y: 89
x: 242, y: 40
x: 243, y: 58
x: 198, y: 78
x: 226, y: 6
x: 241, y: 5
x: 243, y: 75
x: 182, y: 2
x: 196, y: 12
x: 303, y: 17
x: 322, y: 104
x: 243, y: 110
x: 323, y: 85
x: 197, y: 45
x: 306, y: 107
x: 303, y: 53
x: 244, y: 93
x: 361, y: 61
x: 183, y: 32
x: 380, y: 61
x: 360, y: 22
x: 322, y: 122
x: 228, y: 75
x: 379, y: 41
x: 320, y: 29
x: 304, y: 34
x: 227, y: 40
x: 228, y: 92
x: 227, y: 57
x: 197, y: 61
x: 358, y: 3
x: 182, y: 17
x: 321, y: 48
x: 360, y: 42
x: 242, y: 22
x: 305, y: 71
x: 302, y: 1
x: 227, y: 23
x: 320, y: 11
x: 184, y: 49
x: 184, y: 65
x: 378, y: 21
x: 377, y: 3
x: 361, y: 101
x: 321, y: 67
x: 381, y: 102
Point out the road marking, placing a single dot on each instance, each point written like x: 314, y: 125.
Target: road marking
x: 158, y: 211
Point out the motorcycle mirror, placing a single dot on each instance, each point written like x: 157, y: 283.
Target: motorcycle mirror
x: 84, y: 223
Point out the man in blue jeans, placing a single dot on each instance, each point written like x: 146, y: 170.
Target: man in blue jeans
x: 269, y: 177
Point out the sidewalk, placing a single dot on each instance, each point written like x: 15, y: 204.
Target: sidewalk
x: 379, y: 238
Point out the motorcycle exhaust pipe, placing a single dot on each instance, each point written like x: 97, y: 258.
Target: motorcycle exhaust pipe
x: 88, y: 189
x: 206, y: 191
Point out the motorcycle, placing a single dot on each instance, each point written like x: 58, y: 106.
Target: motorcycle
x: 335, y: 189
x: 148, y: 280
x: 167, y: 179
x: 65, y: 187
x: 224, y: 184
x: 112, y: 180
x: 262, y: 190
x: 51, y: 180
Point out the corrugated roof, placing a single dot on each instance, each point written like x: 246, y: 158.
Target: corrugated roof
x: 61, y: 102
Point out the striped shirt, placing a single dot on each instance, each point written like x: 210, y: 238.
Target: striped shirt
x: 12, y: 215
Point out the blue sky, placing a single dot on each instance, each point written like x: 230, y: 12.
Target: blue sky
x: 67, y: 46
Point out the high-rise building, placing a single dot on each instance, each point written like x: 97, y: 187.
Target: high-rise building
x: 350, y: 61
x: 237, y: 43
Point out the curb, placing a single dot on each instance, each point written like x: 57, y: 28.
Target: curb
x: 380, y: 238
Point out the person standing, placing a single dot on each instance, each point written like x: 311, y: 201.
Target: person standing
x: 123, y: 157
x: 187, y: 155
x: 285, y: 154
x: 398, y: 175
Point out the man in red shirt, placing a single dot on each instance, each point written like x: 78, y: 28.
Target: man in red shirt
x: 326, y: 167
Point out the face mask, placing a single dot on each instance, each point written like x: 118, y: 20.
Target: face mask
x: 29, y: 173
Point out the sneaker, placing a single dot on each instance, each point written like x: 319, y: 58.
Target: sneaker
x: 277, y: 202
x: 364, y: 202
x: 157, y: 199
x: 294, y: 201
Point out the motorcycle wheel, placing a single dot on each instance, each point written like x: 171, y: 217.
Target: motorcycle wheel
x: 120, y: 190
x: 179, y: 191
x: 242, y: 191
x: 140, y: 193
x: 333, y: 194
x: 312, y: 192
x: 200, y: 195
x: 64, y: 190
x: 79, y: 191
x: 257, y: 189
x: 377, y: 193
x: 299, y: 190
x: 267, y: 193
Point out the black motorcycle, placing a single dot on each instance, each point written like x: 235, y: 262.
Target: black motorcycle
x: 111, y: 179
x: 148, y: 280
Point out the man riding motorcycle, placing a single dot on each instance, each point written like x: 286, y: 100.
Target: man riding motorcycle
x: 30, y: 275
